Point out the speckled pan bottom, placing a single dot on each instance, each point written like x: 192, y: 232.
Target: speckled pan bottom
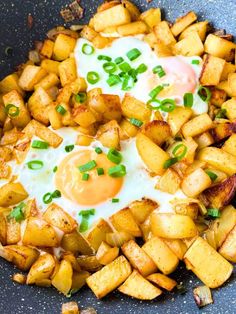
x: 17, y: 299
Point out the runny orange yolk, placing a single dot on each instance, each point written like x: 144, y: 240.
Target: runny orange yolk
x: 97, y: 189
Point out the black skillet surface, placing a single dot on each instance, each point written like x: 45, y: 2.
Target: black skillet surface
x: 17, y: 299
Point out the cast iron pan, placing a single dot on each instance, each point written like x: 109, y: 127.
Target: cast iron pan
x: 17, y: 299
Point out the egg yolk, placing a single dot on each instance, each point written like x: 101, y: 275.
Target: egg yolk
x: 97, y: 189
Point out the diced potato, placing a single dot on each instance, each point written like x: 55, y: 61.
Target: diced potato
x: 218, y: 97
x: 3, y: 115
x: 218, y: 159
x: 164, y: 34
x: 138, y: 258
x: 151, y: 39
x: 177, y: 246
x: 224, y: 85
x: 47, y: 49
x: 30, y: 76
x: 158, y: 131
x: 83, y: 116
x: 88, y: 33
x: 57, y: 217
x: 232, y: 83
x: 114, y: 16
x: 74, y: 242
x: 70, y: 308
x: 152, y: 155
x: 62, y: 280
x: 162, y: 50
x: 142, y: 209
x: 230, y: 107
x: 63, y: 47
x: 10, y: 137
x: 123, y: 220
x: 5, y: 153
x: 162, y: 256
x: 39, y: 233
x: 30, y: 209
x: 228, y: 249
x: 133, y: 28
x: 177, y: 118
x: 54, y: 117
x: 200, y: 28
x: 84, y: 140
x: 89, y: 263
x: 9, y: 83
x: 41, y: 269
x: 197, y: 125
x: 189, y: 46
x: 133, y: 108
x: 97, y: 234
x: 151, y: 17
x: 19, y: 278
x: 112, y: 107
x: 212, y: 70
x: 108, y: 134
x: 128, y: 128
x: 3, y: 229
x: 109, y: 277
x: 230, y: 145
x: 48, y: 81
x: 223, y: 130
x: 203, y: 140
x: 162, y: 281
x: 208, y: 265
x: 195, y: 182
x: 70, y: 257
x: 106, y: 254
x: 12, y: 193
x: 183, y: 22
x: 79, y: 279
x: 172, y: 226
x: 219, y: 47
x: 138, y: 287
x: 5, y: 170
x: 13, y: 232
x: 118, y: 238
x: 50, y: 66
x: 67, y: 71
x: 169, y: 182
x: 228, y: 68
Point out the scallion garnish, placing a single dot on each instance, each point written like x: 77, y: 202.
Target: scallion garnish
x: 104, y: 58
x: 47, y: 198
x: 39, y: 144
x: 128, y: 83
x: 136, y: 122
x: 88, y: 166
x: 221, y: 114
x: 115, y: 200
x: 159, y: 71
x: 154, y: 101
x: 213, y: 213
x: 81, y: 97
x: 69, y: 148
x: 133, y: 54
x: 117, y: 171
x: 125, y: 67
x: 195, y: 62
x: 60, y: 109
x: 180, y: 151
x: 98, y: 150
x: 87, y: 212
x: 153, y: 94
x: 87, y: 49
x: 17, y: 212
x: 170, y: 162
x: 100, y: 171
x: 188, y: 100
x: 93, y: 77
x: 55, y: 169
x: 84, y: 224
x: 204, y: 93
x: 119, y: 60
x: 113, y: 80
x: 56, y: 194
x: 35, y: 165
x: 12, y: 110
x: 114, y: 156
x: 167, y: 105
x: 109, y: 67
x: 141, y: 68
x: 85, y: 177
x: 212, y: 175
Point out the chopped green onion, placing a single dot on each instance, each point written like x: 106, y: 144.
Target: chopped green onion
x: 8, y: 51
x: 104, y: 58
x: 133, y: 74
x: 122, y: 74
x: 212, y: 175
x: 87, y: 49
x: 17, y: 212
x: 81, y: 97
x: 55, y: 169
x: 133, y: 54
x: 93, y: 77
x: 109, y: 67
x: 188, y: 100
x: 125, y: 67
x: 12, y: 110
x: 207, y: 93
x: 119, y: 60
x: 88, y: 166
x: 128, y: 83
x: 195, y: 62
x: 69, y: 148
x: 159, y: 71
x: 60, y: 109
x: 167, y: 105
x: 170, y: 162
x: 87, y: 212
x: 56, y: 194
x: 47, y: 198
x: 85, y: 176
x: 221, y: 114
x: 141, y: 68
x: 213, y: 212
x: 113, y: 80
x: 115, y: 200
x: 100, y: 171
x: 114, y: 156
x: 39, y: 144
x: 84, y: 224
x: 156, y: 91
x: 35, y: 164
x: 98, y: 150
x: 180, y: 151
x: 154, y: 101
x: 136, y: 122
x: 117, y: 171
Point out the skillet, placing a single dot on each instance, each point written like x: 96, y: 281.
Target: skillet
x: 17, y: 299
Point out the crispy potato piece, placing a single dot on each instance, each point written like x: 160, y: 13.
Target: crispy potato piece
x: 83, y: 116
x: 199, y: 27
x: 132, y: 8
x: 109, y: 134
x: 84, y: 140
x: 68, y: 256
x: 123, y: 220
x: 219, y: 47
x: 19, y: 278
x: 152, y: 155
x: 162, y: 50
x: 97, y: 234
x: 67, y: 71
x: 218, y: 159
x: 142, y: 209
x: 115, y: 16
x: 62, y: 280
x: 191, y: 45
x: 5, y: 170
x: 177, y: 246
x: 158, y: 131
x: 112, y: 107
x: 30, y: 76
x: 133, y: 28
x: 31, y: 210
x: 13, y: 232
x: 21, y: 256
x: 138, y: 287
x: 3, y: 115
x: 169, y: 182
x: 118, y: 238
x: 151, y: 17
x: 88, y: 33
x: 232, y: 83
x: 150, y: 38
x: 41, y: 269
x: 89, y: 263
x: 196, y: 182
x: 138, y: 258
x: 197, y: 125
x: 208, y: 265
x: 39, y: 233
x: 230, y: 145
x: 50, y: 66
x: 10, y: 137
x: 133, y: 108
x: 162, y: 256
x: 74, y: 242
x: 183, y: 22
x: 106, y: 254
x: 230, y: 107
x: 228, y: 248
x: 47, y: 49
x: 223, y: 130
x: 12, y: 193
x: 164, y: 34
x: 109, y: 277
x: 79, y: 279
x: 228, y: 68
x: 48, y: 81
x: 107, y: 5
x: 162, y: 281
x: 128, y: 128
x: 218, y: 97
x: 70, y: 308
x: 224, y: 85
x: 63, y: 47
x: 212, y: 70
x: 3, y: 229
x: 203, y: 140
x: 177, y: 118
x: 9, y: 83
x: 54, y: 117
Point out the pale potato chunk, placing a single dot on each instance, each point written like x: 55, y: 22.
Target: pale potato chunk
x: 12, y: 193
x: 183, y: 22
x: 197, y: 125
x: 212, y: 70
x: 228, y: 249
x: 30, y: 76
x: 191, y: 45
x: 195, y: 183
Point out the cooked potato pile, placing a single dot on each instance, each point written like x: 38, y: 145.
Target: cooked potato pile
x: 195, y: 153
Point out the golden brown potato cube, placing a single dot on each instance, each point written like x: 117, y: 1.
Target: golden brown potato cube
x: 177, y: 246
x: 47, y: 49
x: 183, y: 22
x: 203, y: 140
x: 63, y: 47
x: 62, y: 280
x: 128, y: 128
x: 106, y: 254
x: 151, y: 17
x: 83, y: 116
x: 138, y: 287
x: 177, y: 118
x: 162, y: 256
x: 9, y: 83
x: 223, y: 130
x: 224, y: 85
x: 151, y: 39
x: 10, y: 137
x: 232, y: 83
x: 169, y: 182
x: 158, y: 131
x: 230, y: 145
x: 3, y: 229
x: 54, y: 117
x: 191, y: 45
x: 118, y: 238
x: 212, y: 70
x: 50, y: 66
x: 162, y: 281
x: 138, y: 258
x: 113, y: 107
x: 12, y: 193
x: 39, y: 233
x: 88, y: 33
x: 195, y: 183
x: 228, y: 248
x: 133, y: 108
x: 164, y: 34
x: 219, y: 47
x: 5, y: 170
x: 15, y: 98
x: 19, y: 278
x: 109, y: 277
x: 41, y: 269
x: 30, y: 209
x: 133, y: 28
x: 109, y: 134
x: 228, y: 68
x: 207, y: 264
x: 48, y: 81
x: 162, y: 50
x: 79, y: 279
x: 67, y: 71
x: 107, y: 5
x: 218, y: 97
x: 6, y: 153
x: 13, y: 232
x: 75, y: 242
x: 84, y: 140
x: 57, y: 217
x: 197, y: 125
x: 89, y: 263
x: 21, y: 256
x: 133, y: 10
x: 123, y: 220
x: 114, y: 16
x: 97, y: 234
x: 30, y: 76
x: 230, y: 107
x: 70, y: 308
x: 200, y: 28
x: 142, y: 209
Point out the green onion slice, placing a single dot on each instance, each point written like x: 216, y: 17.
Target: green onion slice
x: 204, y: 93
x: 141, y: 68
x: 212, y: 175
x: 115, y: 200
x: 113, y: 80
x: 125, y: 67
x: 35, y: 165
x: 39, y: 144
x: 104, y: 58
x: 69, y: 148
x: 180, y: 151
x: 84, y: 224
x: 128, y: 83
x: 81, y: 97
x: 93, y: 77
x: 17, y: 212
x: 109, y: 67
x: 55, y: 169
x: 117, y: 171
x: 170, y: 162
x: 153, y: 94
x: 195, y: 62
x: 60, y: 109
x: 119, y: 60
x: 87, y: 49
x: 114, y: 156
x: 12, y: 110
x: 85, y: 176
x: 47, y: 198
x: 98, y: 150
x: 154, y: 101
x: 221, y: 114
x: 213, y: 212
x: 136, y: 122
x: 100, y: 171
x: 56, y: 194
x: 159, y: 71
x: 188, y: 100
x: 87, y: 212
x: 88, y: 166
x: 167, y: 105
x: 133, y: 54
